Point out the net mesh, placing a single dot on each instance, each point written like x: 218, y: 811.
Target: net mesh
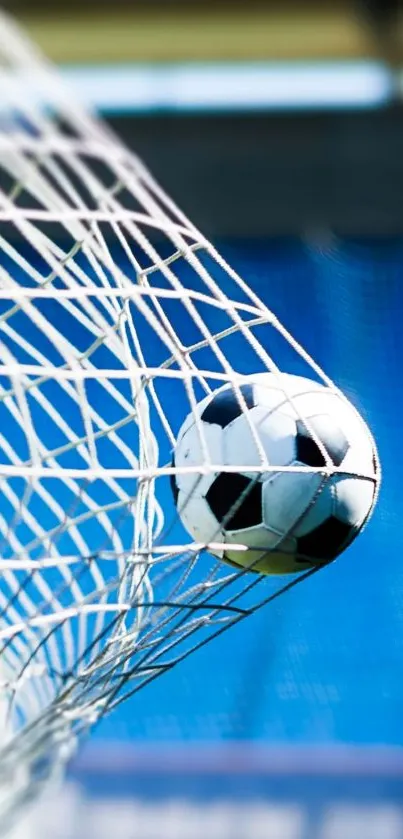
x: 116, y: 318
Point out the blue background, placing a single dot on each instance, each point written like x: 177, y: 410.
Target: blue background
x: 324, y: 664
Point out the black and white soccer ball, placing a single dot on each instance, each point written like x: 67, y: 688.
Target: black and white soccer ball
x: 285, y: 521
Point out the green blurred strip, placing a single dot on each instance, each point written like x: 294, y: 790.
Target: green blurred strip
x: 198, y: 34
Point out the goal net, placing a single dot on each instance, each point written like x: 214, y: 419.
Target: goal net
x: 117, y: 317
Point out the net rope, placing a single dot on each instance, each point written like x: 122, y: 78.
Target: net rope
x: 116, y: 317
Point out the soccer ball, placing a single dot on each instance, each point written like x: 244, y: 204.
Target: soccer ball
x: 286, y: 521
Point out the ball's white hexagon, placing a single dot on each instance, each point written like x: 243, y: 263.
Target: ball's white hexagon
x: 313, y: 403
x: 189, y: 421
x: 268, y: 391
x: 320, y: 508
x: 276, y: 435
x: 273, y: 389
x: 286, y: 498
x: 353, y: 499
x: 189, y: 453
x: 264, y: 553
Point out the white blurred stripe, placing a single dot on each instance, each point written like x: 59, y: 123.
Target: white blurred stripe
x: 244, y: 87
x: 74, y: 815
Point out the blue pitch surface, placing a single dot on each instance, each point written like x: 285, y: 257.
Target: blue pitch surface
x: 321, y: 665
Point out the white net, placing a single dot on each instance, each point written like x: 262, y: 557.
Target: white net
x: 116, y: 318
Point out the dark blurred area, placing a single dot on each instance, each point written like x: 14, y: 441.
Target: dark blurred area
x: 308, y: 29
x: 257, y: 172
x: 278, y: 174
x: 382, y: 16
x: 291, y: 5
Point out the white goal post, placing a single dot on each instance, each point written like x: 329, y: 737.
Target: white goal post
x: 116, y: 316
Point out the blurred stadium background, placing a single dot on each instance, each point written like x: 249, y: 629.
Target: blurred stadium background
x: 278, y: 128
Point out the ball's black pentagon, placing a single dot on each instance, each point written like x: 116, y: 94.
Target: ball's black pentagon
x: 225, y: 407
x: 225, y: 493
x: 174, y: 485
x: 327, y: 541
x: 330, y: 435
